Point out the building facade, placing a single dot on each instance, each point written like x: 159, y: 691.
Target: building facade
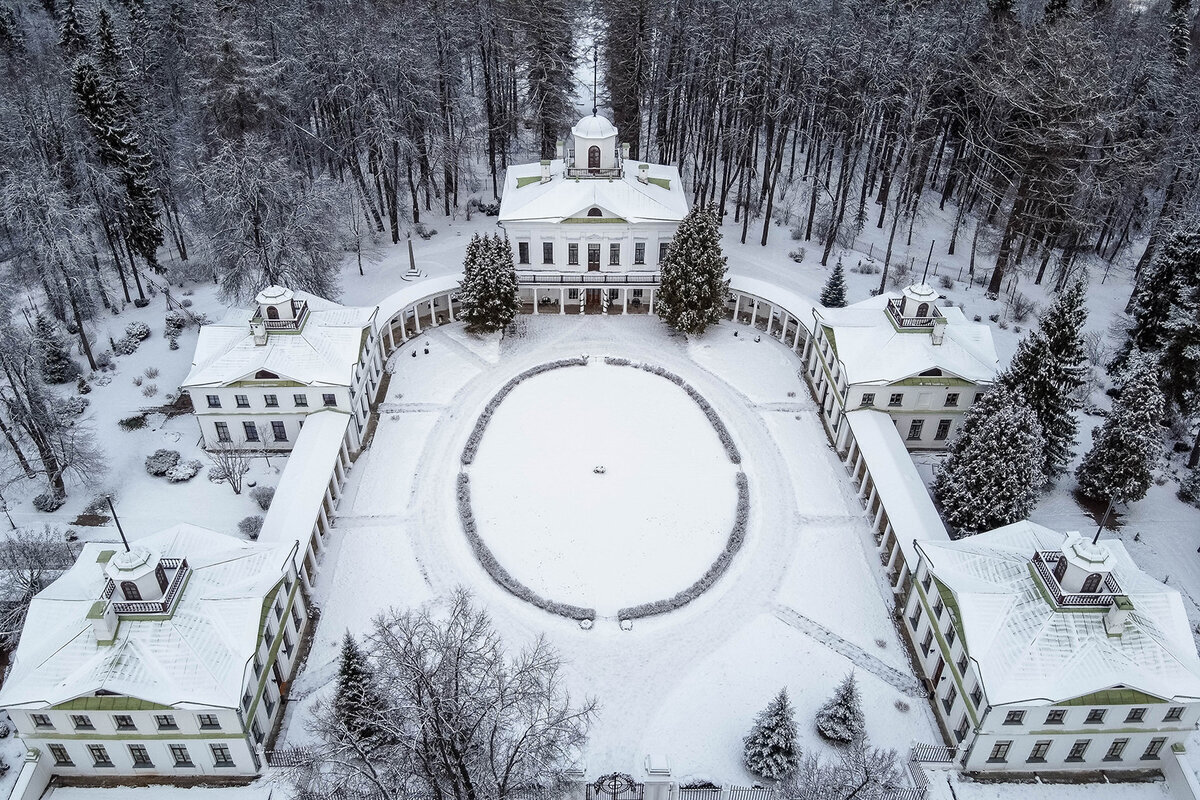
x: 589, y: 228
x: 256, y: 375
x: 922, y: 364
x: 1051, y: 653
x: 169, y: 659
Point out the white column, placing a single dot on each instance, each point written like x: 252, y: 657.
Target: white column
x: 625, y: 300
x: 737, y: 304
x: 754, y: 315
x: 652, y: 300
x: 562, y: 300
x: 796, y: 340
x: 403, y: 329
x: 786, y: 317
x: 535, y: 300
x: 432, y: 313
x: 391, y: 342
x: 417, y: 317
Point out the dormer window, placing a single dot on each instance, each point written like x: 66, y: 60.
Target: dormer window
x: 593, y: 211
x: 594, y: 159
x: 265, y: 374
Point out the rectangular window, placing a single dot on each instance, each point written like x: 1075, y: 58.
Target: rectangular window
x: 962, y: 664
x: 124, y: 722
x: 221, y: 755
x: 279, y: 431
x: 915, y: 619
x: 573, y: 254
x: 977, y: 695
x: 208, y: 721
x: 1078, y: 749
x: 1152, y: 749
x: 242, y: 400
x: 960, y: 732
x: 1136, y: 715
x: 1038, y: 754
x: 222, y: 432
x: 247, y: 698
x: 978, y: 396
x: 572, y: 294
x: 547, y: 252
x: 258, y: 667
x: 213, y: 401
x: 948, y: 700
x: 522, y: 252
x: 868, y: 399
x: 943, y: 430
x: 1174, y: 714
x: 269, y: 705
x: 81, y: 722
x: 1014, y: 718
x: 287, y: 642
x: 999, y: 752
x: 251, y: 431
x: 637, y: 293
x: 914, y: 429
x: 296, y: 621
x: 272, y: 401
x: 61, y: 757
x: 256, y: 730
x: 639, y: 252
x: 140, y: 756
x: 896, y: 399
x: 300, y: 400
x: 329, y: 399
x: 926, y: 582
x: 662, y: 251
x: 938, y: 608
x: 1056, y: 717
x: 1116, y: 750
x: 182, y: 758
x: 41, y: 721
x: 99, y: 755
x: 951, y: 635
x: 927, y: 642
x: 614, y: 255
x: 951, y: 399
x: 165, y: 722
x: 1095, y: 717
x: 278, y: 609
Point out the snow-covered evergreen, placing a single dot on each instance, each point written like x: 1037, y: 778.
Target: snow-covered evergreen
x: 356, y: 701
x: 770, y: 748
x: 993, y: 472
x: 834, y: 293
x: 693, y: 286
x: 841, y: 718
x: 56, y: 363
x: 489, y: 294
x: 1126, y: 446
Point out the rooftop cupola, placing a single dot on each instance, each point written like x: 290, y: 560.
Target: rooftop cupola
x: 595, y: 154
x: 278, y: 310
x: 137, y: 574
x: 916, y: 309
x: 1087, y: 565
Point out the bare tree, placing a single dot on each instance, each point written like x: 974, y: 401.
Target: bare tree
x: 861, y: 772
x: 232, y: 460
x: 29, y: 562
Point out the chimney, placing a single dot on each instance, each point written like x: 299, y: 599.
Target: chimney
x: 643, y: 175
x: 104, y: 621
x: 558, y: 148
x: 259, y: 329
x: 939, y: 329
x: 1115, y: 617
x: 624, y: 151
x: 545, y: 171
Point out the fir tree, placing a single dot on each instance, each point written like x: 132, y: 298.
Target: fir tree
x: 56, y: 364
x: 834, y: 293
x: 71, y: 35
x: 693, y: 286
x: 489, y: 293
x: 841, y: 719
x: 993, y: 471
x: 1125, y: 447
x: 356, y: 702
x: 1176, y: 266
x: 770, y: 748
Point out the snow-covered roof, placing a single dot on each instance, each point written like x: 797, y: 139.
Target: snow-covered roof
x: 570, y: 198
x: 1030, y: 653
x: 197, y: 657
x: 593, y: 126
x: 796, y: 304
x: 410, y: 293
x: 901, y: 490
x: 301, y: 489
x: 323, y: 352
x: 873, y: 350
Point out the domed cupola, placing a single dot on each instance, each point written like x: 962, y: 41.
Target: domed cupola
x: 918, y: 301
x: 137, y: 574
x: 595, y: 152
x: 278, y: 309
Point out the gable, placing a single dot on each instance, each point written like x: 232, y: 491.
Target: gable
x: 1119, y: 695
x: 594, y: 213
x: 109, y: 702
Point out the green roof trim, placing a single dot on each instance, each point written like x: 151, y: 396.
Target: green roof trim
x: 104, y: 555
x: 528, y: 179
x: 594, y: 219
x: 663, y: 182
x: 1114, y: 697
x: 940, y: 380
x: 1124, y: 603
x: 830, y: 336
x: 97, y: 610
x: 268, y: 384
x: 951, y: 604
x: 109, y: 702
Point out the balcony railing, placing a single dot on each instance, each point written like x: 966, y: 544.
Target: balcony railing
x: 893, y: 309
x: 163, y: 606
x: 587, y: 278
x: 285, y: 324
x: 594, y: 172
x: 1042, y: 559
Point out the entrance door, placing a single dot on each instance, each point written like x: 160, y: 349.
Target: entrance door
x: 593, y: 299
x: 593, y: 258
x: 593, y: 157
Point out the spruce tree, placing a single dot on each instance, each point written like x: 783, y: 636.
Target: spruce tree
x: 841, y: 719
x: 56, y: 364
x: 1124, y: 448
x: 770, y: 748
x: 489, y: 292
x: 834, y: 293
x: 993, y: 471
x: 356, y: 703
x: 693, y: 288
x: 71, y: 35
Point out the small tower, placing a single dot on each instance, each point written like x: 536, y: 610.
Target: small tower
x: 1084, y: 567
x: 918, y: 301
x: 137, y: 574
x: 276, y: 303
x: 595, y: 144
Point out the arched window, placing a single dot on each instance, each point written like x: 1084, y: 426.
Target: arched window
x: 130, y: 590
x: 923, y: 310
x: 595, y: 212
x: 1092, y: 584
x: 1060, y: 569
x: 265, y: 375
x: 272, y: 312
x: 593, y: 157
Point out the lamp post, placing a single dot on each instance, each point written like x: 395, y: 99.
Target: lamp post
x: 121, y: 531
x: 4, y: 505
x: 1103, y: 520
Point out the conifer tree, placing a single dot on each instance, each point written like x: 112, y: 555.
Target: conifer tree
x: 56, y: 364
x: 693, y: 288
x: 841, y: 718
x: 356, y: 702
x: 770, y: 748
x: 1125, y: 447
x: 834, y: 293
x: 489, y: 292
x: 71, y: 35
x: 993, y: 472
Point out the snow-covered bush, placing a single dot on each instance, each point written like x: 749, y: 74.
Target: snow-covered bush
x: 161, y: 460
x: 251, y: 527
x: 946, y: 282
x: 150, y: 389
x: 126, y: 345
x: 138, y: 330
x: 151, y: 372
x: 134, y: 423
x: 49, y: 501
x: 499, y: 574
x: 714, y: 419
x: 841, y: 719
x: 797, y: 255
x: 1189, y: 488
x: 173, y: 343
x: 104, y: 359
x: 263, y: 496
x: 770, y: 749
x: 184, y: 471
x: 72, y: 406
x: 472, y: 445
x: 613, y: 361
x: 174, y: 323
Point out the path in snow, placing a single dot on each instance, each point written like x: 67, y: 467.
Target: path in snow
x: 859, y: 657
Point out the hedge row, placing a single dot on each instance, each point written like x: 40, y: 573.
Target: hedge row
x: 472, y: 445
x: 499, y: 574
x: 732, y: 546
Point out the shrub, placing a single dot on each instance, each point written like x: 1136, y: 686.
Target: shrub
x: 263, y: 496
x: 151, y: 372
x: 134, y: 423
x: 798, y: 255
x: 1189, y: 488
x: 946, y: 282
x: 173, y: 344
x: 72, y: 406
x: 216, y: 474
x: 104, y: 359
x: 161, y: 460
x: 150, y: 389
x: 186, y: 303
x: 138, y: 330
x: 137, y: 380
x: 251, y: 527
x: 424, y: 232
x: 174, y: 323
x: 82, y: 386
x: 141, y: 302
x: 1022, y: 307
x: 49, y: 501
x: 616, y: 362
x: 184, y: 471
x: 126, y: 345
